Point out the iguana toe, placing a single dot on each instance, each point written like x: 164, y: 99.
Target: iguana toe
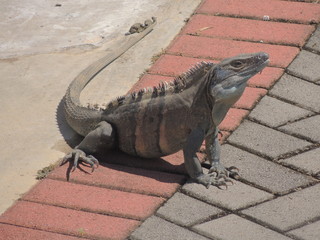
x: 233, y: 172
x: 212, y: 179
x: 77, y: 155
x: 221, y: 171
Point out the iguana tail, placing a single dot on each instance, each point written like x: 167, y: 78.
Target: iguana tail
x: 82, y: 119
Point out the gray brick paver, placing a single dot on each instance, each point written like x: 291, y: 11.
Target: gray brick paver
x: 306, y: 65
x: 234, y: 227
x: 308, y: 161
x: 273, y: 112
x: 264, y: 140
x: 314, y: 43
x: 261, y: 172
x: 156, y: 228
x: 237, y: 196
x: 296, y: 90
x: 307, y: 232
x: 289, y: 211
x: 308, y: 128
x: 186, y: 210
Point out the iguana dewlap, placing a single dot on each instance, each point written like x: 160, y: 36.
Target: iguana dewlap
x: 162, y: 120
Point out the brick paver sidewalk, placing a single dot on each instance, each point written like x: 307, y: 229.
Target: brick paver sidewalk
x: 276, y: 146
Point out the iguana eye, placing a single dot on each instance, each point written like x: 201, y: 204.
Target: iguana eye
x: 236, y: 64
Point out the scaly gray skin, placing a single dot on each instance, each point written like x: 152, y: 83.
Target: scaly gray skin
x: 162, y: 120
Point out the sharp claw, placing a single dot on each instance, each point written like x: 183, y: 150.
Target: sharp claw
x: 229, y: 180
x: 78, y: 155
x: 236, y: 176
x: 66, y: 159
x: 94, y: 163
x: 94, y: 160
x: 224, y: 177
x: 222, y: 184
x: 232, y: 168
x: 76, y: 159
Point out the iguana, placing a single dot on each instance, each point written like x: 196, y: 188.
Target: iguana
x: 162, y: 120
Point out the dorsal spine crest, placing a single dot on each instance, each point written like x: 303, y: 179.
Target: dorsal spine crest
x: 177, y: 85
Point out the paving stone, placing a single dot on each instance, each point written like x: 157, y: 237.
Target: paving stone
x: 306, y: 65
x: 237, y: 196
x: 264, y: 140
x: 149, y: 80
x: 266, y: 174
x: 9, y: 232
x: 267, y: 78
x: 276, y: 10
x: 296, y: 90
x: 273, y: 112
x: 186, y: 210
x: 124, y: 178
x: 308, y: 161
x: 94, y: 199
x: 156, y: 228
x: 314, y: 43
x: 215, y: 48
x: 308, y: 232
x: 250, y: 97
x: 68, y: 221
x: 308, y: 128
x: 287, y: 212
x: 223, y: 135
x: 233, y: 119
x: 234, y: 227
x: 174, y: 65
x: 248, y: 29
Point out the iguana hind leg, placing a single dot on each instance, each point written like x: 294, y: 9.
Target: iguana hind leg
x: 101, y: 137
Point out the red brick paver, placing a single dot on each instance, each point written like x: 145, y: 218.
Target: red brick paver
x: 250, y: 97
x: 276, y: 10
x: 214, y: 48
x: 68, y: 221
x: 174, y: 65
x: 125, y: 178
x: 233, y: 119
x: 150, y: 81
x: 267, y: 78
x: 94, y: 199
x: 249, y: 30
x: 10, y: 232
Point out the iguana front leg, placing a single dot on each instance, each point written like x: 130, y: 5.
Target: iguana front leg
x: 102, y: 136
x: 213, y: 155
x: 192, y: 162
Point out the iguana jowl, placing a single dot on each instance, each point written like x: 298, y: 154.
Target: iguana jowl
x: 162, y: 120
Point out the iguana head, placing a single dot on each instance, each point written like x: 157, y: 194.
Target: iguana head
x: 229, y: 77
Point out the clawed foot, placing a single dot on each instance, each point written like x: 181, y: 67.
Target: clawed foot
x: 212, y: 179
x: 221, y: 171
x: 218, y: 176
x: 77, y: 155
